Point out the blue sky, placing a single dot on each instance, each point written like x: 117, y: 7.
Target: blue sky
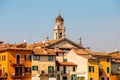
x: 96, y: 21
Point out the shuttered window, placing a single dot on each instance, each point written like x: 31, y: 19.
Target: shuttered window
x: 50, y: 69
x: 91, y: 68
x: 35, y: 68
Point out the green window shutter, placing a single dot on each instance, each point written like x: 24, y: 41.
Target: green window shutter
x: 108, y: 70
x: 93, y: 68
x: 64, y: 60
x: 88, y: 68
x: 75, y: 77
x: 35, y: 68
x: 52, y: 69
x: 49, y: 69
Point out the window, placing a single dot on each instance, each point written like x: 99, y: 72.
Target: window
x: 91, y: 78
x: 18, y: 58
x: 56, y: 54
x: 74, y: 68
x: 60, y: 35
x: 27, y: 57
x: 64, y: 60
x: 36, y: 57
x: 108, y: 69
x: 50, y: 69
x: 58, y: 68
x: 108, y: 59
x: 64, y: 69
x: 35, y: 68
x: 74, y: 77
x: 91, y: 68
x: 50, y: 58
x: 102, y: 78
x: 27, y: 69
x: 3, y: 58
x: 3, y: 70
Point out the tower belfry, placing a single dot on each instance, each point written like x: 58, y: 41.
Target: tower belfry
x: 59, y: 29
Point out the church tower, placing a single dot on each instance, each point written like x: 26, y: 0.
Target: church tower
x: 59, y: 29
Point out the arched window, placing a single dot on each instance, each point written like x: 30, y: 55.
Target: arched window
x: 60, y: 35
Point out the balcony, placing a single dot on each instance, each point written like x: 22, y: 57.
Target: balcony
x: 118, y: 70
x: 115, y: 70
x: 16, y: 76
x: 43, y: 73
x: 51, y: 74
x: 13, y: 63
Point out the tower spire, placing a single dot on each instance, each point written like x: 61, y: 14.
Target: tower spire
x: 59, y: 29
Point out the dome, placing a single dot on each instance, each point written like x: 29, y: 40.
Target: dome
x: 59, y: 19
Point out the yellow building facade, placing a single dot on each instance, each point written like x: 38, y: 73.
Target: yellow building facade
x: 93, y: 70
x: 15, y: 64
x: 104, y: 65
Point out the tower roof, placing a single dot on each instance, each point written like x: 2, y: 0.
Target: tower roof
x: 59, y: 19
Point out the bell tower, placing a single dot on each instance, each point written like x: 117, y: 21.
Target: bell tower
x: 59, y: 29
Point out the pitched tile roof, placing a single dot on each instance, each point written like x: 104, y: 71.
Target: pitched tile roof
x: 65, y: 39
x: 41, y: 44
x: 115, y: 55
x: 66, y: 64
x: 88, y: 56
x: 43, y: 51
x: 20, y: 45
x: 11, y: 48
x: 50, y: 43
x: 101, y: 54
x: 79, y: 51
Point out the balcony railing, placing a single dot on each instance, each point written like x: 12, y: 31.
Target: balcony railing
x: 65, y: 72
x: 13, y: 63
x: 45, y: 73
x: 13, y: 75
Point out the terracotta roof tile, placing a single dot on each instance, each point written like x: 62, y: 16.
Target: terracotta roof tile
x: 43, y: 51
x: 100, y: 53
x: 79, y: 51
x: 88, y: 56
x: 41, y: 44
x: 15, y: 49
x: 66, y: 64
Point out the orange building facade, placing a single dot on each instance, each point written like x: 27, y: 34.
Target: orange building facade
x: 15, y: 63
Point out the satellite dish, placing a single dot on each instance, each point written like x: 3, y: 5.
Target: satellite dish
x: 116, y: 50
